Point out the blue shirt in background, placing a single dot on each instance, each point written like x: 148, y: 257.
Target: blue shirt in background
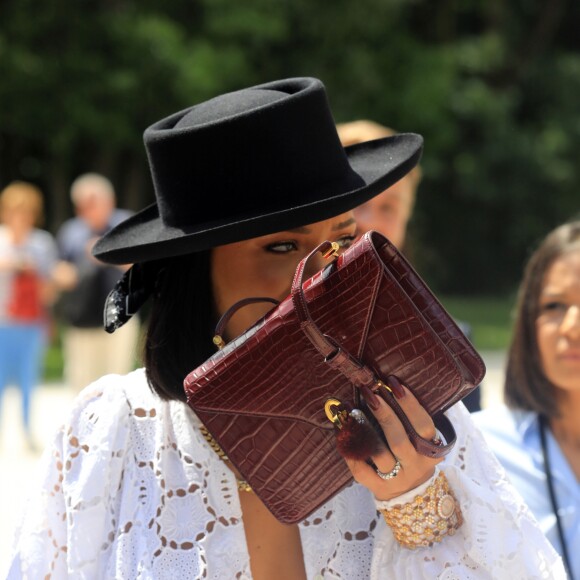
x: 514, y: 437
x: 82, y: 307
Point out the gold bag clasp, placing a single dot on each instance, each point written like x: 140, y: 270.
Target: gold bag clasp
x: 333, y: 251
x: 334, y: 413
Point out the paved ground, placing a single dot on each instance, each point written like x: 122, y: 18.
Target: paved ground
x: 18, y: 464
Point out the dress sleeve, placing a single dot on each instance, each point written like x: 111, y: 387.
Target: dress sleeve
x: 499, y: 537
x: 68, y: 493
x: 39, y: 543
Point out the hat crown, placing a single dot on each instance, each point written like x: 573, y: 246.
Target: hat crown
x: 228, y: 105
x: 262, y: 148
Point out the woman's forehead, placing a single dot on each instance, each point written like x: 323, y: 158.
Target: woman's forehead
x: 563, y: 273
x: 339, y: 222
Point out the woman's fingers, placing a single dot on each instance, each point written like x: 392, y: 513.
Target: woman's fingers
x: 418, y: 417
x: 385, y: 461
x: 364, y: 474
x: 400, y: 481
x: 400, y: 467
x: 397, y: 438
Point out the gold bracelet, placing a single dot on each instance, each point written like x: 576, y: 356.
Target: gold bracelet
x: 428, y: 518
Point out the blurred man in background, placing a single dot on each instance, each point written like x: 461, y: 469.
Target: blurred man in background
x: 89, y: 352
x: 390, y: 211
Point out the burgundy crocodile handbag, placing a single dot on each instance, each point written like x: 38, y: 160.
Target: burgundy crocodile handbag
x: 365, y: 316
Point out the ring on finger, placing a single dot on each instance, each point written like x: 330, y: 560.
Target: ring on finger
x: 390, y: 474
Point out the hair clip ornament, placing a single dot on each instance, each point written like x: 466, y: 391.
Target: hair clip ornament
x: 129, y: 294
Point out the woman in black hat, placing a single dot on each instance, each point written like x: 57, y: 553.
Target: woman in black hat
x: 247, y: 184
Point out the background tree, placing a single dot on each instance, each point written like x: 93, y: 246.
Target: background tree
x: 491, y: 85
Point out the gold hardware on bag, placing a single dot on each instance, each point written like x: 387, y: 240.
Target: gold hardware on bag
x: 333, y: 251
x: 219, y: 341
x: 334, y: 414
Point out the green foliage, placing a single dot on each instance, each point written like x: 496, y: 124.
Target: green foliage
x: 510, y: 175
x: 491, y: 85
x: 489, y: 318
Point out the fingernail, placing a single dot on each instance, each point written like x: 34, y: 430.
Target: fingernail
x: 396, y: 387
x: 370, y: 398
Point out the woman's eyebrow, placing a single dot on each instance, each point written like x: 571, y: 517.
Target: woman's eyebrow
x: 552, y: 294
x: 345, y: 224
x: 339, y: 226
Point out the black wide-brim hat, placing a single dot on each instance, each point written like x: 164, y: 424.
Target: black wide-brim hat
x: 250, y: 163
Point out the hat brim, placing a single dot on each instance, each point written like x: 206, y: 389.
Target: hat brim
x: 144, y: 236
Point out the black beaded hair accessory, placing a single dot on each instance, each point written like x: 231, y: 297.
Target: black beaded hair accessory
x: 129, y: 294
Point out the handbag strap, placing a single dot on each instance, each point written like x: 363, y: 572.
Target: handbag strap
x: 333, y: 354
x: 357, y: 372
x: 226, y: 316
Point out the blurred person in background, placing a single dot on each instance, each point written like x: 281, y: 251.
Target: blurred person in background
x: 85, y: 282
x: 390, y: 211
x: 536, y: 436
x: 27, y: 258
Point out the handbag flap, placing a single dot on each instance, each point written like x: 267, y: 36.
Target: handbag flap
x: 275, y: 350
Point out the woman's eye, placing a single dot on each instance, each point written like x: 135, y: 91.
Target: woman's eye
x: 345, y: 241
x: 552, y: 306
x: 282, y: 247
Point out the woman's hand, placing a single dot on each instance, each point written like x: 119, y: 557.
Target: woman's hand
x: 415, y: 468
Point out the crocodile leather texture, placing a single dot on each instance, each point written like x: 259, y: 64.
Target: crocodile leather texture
x: 367, y: 314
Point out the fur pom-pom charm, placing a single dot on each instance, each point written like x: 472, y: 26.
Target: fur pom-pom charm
x: 357, y: 439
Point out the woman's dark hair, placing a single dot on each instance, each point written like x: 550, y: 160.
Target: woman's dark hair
x: 526, y: 385
x: 181, y: 323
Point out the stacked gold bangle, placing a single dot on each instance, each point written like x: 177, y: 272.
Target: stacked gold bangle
x: 428, y: 518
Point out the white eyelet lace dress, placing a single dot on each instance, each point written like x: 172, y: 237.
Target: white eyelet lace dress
x: 131, y: 490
